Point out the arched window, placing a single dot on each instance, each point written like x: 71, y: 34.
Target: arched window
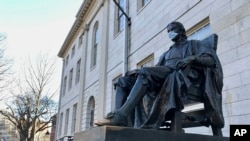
x: 95, y: 44
x: 90, y: 112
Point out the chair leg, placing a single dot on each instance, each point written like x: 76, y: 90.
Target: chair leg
x: 217, y: 131
x: 176, y: 123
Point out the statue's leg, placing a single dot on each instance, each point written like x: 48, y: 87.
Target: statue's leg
x: 120, y: 97
x: 119, y: 117
x: 123, y: 87
x: 148, y: 77
x: 135, y: 96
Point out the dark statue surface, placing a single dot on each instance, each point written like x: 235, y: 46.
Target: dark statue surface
x: 189, y: 70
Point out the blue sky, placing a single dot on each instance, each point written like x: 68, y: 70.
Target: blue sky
x: 35, y: 26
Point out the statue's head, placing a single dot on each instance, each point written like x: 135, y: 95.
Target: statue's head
x: 176, y: 30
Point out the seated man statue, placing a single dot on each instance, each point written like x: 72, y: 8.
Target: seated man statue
x: 167, y: 82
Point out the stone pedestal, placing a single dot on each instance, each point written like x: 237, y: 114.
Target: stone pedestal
x: 111, y: 133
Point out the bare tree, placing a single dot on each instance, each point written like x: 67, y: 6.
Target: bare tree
x: 32, y: 109
x: 5, y: 63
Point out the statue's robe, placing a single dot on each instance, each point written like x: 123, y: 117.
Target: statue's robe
x: 165, y: 94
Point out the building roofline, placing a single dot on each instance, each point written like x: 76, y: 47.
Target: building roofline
x: 75, y: 27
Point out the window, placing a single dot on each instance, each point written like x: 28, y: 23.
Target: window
x: 147, y: 62
x: 95, y: 44
x: 120, y: 18
x: 78, y: 70
x: 66, y: 122
x: 61, y: 122
x: 73, y: 51
x: 67, y: 60
x: 74, y: 119
x: 141, y: 3
x: 80, y: 40
x: 70, y: 78
x: 64, y: 85
x: 200, y: 30
x: 90, y: 112
x: 144, y: 2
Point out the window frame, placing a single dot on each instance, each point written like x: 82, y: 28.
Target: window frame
x: 141, y: 4
x: 78, y: 71
x: 73, y: 127
x: 66, y: 122
x: 70, y: 78
x: 95, y: 42
x: 119, y: 17
x: 146, y: 62
x: 64, y: 85
x: 73, y: 50
x: 67, y: 60
x: 90, y: 112
x: 61, y: 124
x: 80, y: 40
x: 198, y: 28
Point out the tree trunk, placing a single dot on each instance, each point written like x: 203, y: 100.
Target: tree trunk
x: 23, y: 138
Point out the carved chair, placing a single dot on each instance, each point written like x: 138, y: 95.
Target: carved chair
x: 181, y: 120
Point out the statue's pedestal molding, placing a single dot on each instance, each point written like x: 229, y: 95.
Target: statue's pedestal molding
x: 113, y: 133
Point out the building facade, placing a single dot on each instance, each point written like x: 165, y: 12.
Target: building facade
x: 8, y: 131
x: 105, y: 41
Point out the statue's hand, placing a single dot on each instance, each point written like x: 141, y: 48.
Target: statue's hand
x: 186, y: 61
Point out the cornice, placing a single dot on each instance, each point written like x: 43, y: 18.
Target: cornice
x: 75, y: 27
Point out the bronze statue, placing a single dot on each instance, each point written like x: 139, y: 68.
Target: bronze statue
x: 164, y: 86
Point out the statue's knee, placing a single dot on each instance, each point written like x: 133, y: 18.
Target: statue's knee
x: 143, y: 70
x: 120, y: 82
x: 142, y: 78
x: 121, y: 79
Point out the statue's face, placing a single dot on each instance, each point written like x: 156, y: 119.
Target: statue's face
x: 173, y: 31
x: 173, y: 27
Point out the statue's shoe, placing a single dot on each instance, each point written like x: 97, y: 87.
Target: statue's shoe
x: 113, y: 119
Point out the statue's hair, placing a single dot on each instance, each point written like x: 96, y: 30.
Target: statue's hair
x: 180, y: 25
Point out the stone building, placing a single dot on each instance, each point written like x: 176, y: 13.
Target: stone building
x: 104, y: 43
x: 8, y: 131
